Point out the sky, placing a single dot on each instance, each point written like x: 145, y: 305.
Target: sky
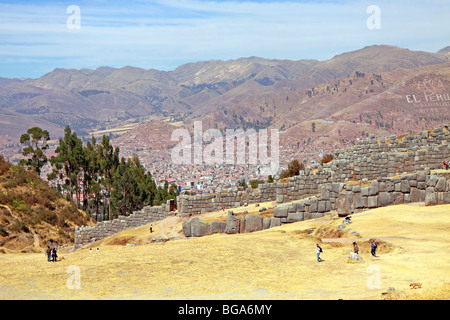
x: 38, y: 36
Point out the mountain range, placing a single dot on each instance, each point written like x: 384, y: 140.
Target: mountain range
x: 379, y: 89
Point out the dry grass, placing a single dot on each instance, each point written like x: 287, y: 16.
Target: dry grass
x: 278, y: 263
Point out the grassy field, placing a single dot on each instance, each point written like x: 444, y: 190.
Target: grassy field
x: 279, y: 263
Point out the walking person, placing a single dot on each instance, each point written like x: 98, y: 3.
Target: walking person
x: 373, y: 248
x: 151, y: 228
x: 48, y: 252
x: 318, y: 251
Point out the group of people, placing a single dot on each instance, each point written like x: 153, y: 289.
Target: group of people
x: 51, y: 254
x: 373, y: 249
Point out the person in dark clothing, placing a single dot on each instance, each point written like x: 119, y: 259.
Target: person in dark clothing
x: 54, y: 255
x: 355, y: 248
x: 373, y: 248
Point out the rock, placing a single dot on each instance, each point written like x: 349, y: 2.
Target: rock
x: 430, y: 197
x: 337, y: 187
x: 279, y: 198
x: 345, y: 204
x: 266, y: 223
x: 355, y: 257
x: 198, y: 227
x: 214, y: 227
x: 280, y: 212
x: 187, y: 228
x: 360, y: 201
x: 440, y: 185
x: 372, y: 202
x: 417, y: 195
x: 405, y: 188
x: 253, y: 223
x: 233, y: 224
x: 314, y: 205
x: 275, y: 222
x: 373, y: 188
x: 384, y: 199
x: 432, y: 181
x: 295, y: 216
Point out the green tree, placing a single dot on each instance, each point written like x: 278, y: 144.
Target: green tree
x: 124, y: 188
x: 68, y: 162
x: 242, y: 184
x: 91, y: 171
x: 36, y: 140
x: 173, y: 192
x: 108, y: 161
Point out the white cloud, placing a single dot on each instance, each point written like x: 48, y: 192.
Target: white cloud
x: 163, y: 34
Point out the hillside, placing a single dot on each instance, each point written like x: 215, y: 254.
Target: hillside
x: 277, y: 263
x: 247, y: 92
x: 32, y: 214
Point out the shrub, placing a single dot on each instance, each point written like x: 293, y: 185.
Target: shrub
x: 3, y: 232
x: 293, y: 169
x: 19, y: 225
x: 20, y: 205
x: 326, y: 158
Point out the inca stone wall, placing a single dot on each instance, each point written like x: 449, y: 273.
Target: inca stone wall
x: 344, y: 185
x: 346, y: 198
x: 367, y: 160
x: 86, y: 234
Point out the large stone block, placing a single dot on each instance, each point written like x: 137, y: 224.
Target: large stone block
x: 314, y: 205
x: 295, y: 216
x: 384, y: 199
x: 275, y: 222
x: 233, y: 224
x: 186, y: 225
x: 446, y: 197
x: 405, y: 188
x: 440, y: 185
x: 198, y: 227
x: 373, y: 188
x: 345, y: 204
x: 360, y: 201
x: 266, y: 223
x: 417, y: 195
x: 214, y: 227
x: 253, y: 223
x: 280, y: 211
x: 430, y: 197
x: 372, y: 202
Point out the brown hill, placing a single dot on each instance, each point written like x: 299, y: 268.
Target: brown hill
x: 32, y: 214
x: 247, y: 92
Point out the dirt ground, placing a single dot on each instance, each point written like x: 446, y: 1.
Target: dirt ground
x: 278, y: 263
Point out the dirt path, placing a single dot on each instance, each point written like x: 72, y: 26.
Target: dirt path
x: 35, y: 236
x: 167, y: 227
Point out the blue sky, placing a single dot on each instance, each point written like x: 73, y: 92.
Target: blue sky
x: 35, y: 37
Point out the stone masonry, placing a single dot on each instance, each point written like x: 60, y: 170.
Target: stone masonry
x: 367, y: 160
x: 345, y: 198
x: 87, y: 234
